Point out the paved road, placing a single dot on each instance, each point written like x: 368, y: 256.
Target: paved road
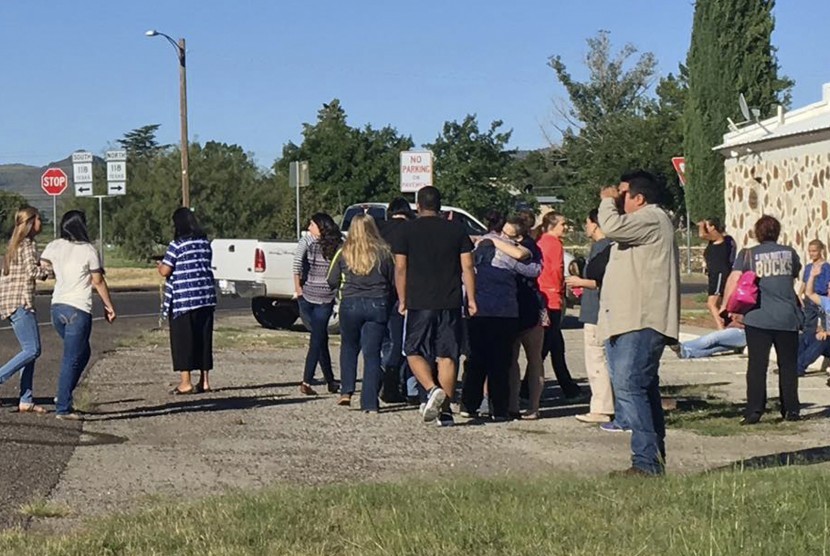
x: 35, y: 449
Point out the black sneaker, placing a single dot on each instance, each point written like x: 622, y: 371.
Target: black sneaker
x: 333, y: 387
x: 792, y: 417
x: 445, y: 420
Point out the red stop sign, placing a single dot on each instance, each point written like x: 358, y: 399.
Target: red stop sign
x: 54, y: 181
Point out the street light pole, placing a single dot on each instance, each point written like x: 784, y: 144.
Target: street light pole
x: 181, y: 52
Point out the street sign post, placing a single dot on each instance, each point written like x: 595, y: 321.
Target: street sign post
x: 54, y: 182
x: 82, y: 173
x: 679, y: 163
x: 116, y: 172
x: 297, y: 178
x: 416, y: 170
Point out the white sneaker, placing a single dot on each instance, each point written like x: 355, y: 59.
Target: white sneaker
x: 435, y: 402
x: 422, y: 407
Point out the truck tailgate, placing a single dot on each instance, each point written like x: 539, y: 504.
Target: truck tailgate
x: 233, y: 259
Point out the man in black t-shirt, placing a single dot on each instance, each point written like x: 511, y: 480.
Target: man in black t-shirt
x: 719, y: 256
x: 432, y: 258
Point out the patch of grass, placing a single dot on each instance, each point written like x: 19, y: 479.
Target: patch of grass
x: 700, y: 409
x: 774, y: 511
x: 44, y: 509
x: 701, y: 297
x: 226, y: 337
x: 82, y: 400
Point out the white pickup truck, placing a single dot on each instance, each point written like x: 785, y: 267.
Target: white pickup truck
x: 264, y: 270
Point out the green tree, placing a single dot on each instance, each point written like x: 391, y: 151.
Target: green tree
x: 613, y: 125
x: 473, y: 168
x: 141, y: 143
x: 10, y: 203
x: 731, y: 52
x: 346, y: 165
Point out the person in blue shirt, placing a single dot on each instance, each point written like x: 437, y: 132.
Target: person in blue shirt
x: 189, y: 301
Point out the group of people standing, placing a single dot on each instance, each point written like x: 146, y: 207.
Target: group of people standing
x: 424, y: 288
x: 74, y: 263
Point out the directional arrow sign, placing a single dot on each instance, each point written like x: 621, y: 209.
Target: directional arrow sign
x: 116, y: 188
x: 83, y: 190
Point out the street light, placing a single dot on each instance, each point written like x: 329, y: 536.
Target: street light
x: 181, y: 53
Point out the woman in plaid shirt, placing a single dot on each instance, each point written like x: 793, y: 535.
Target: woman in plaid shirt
x: 17, y: 291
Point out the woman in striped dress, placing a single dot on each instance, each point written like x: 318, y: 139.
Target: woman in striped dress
x: 189, y: 302
x: 314, y: 254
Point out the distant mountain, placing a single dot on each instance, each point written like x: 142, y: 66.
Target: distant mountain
x: 25, y: 180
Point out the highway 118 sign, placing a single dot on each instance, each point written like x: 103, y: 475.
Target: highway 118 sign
x: 116, y: 172
x: 82, y: 173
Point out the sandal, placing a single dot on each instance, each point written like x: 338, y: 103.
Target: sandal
x: 176, y: 392
x: 199, y: 389
x: 31, y: 408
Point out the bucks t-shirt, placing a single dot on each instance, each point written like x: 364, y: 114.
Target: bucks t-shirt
x: 433, y: 248
x: 776, y: 267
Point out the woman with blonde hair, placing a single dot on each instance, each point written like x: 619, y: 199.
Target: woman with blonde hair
x: 364, y: 272
x: 17, y: 291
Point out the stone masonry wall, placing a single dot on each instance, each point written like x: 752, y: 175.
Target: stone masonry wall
x: 792, y: 184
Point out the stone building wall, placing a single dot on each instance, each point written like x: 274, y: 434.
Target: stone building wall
x: 791, y: 184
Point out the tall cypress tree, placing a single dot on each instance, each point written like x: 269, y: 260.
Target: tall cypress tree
x: 730, y: 53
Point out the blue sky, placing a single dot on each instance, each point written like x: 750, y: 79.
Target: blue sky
x: 78, y: 75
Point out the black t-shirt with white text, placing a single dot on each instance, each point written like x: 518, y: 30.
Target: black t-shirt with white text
x: 433, y: 247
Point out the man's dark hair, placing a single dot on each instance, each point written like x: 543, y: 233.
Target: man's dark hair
x: 73, y: 226
x: 593, y: 216
x: 518, y: 221
x: 767, y: 228
x: 399, y: 207
x: 429, y: 198
x: 715, y: 223
x: 643, y: 183
x: 185, y: 224
x: 494, y: 220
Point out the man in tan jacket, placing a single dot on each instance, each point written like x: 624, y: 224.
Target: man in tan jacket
x: 639, y: 310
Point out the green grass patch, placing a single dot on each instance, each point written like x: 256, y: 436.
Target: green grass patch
x: 44, y: 509
x: 775, y: 511
x: 226, y: 337
x: 701, y: 409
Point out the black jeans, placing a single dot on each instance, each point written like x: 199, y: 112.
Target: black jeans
x: 555, y: 346
x: 317, y: 315
x: 758, y: 342
x: 491, y: 354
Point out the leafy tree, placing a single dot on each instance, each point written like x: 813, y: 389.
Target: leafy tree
x: 10, y: 203
x: 612, y: 124
x: 731, y: 52
x: 473, y: 168
x: 346, y: 165
x: 141, y: 143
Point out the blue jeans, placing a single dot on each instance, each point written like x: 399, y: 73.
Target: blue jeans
x: 74, y: 327
x: 721, y: 341
x: 24, y: 324
x: 362, y: 328
x: 317, y: 315
x: 634, y: 363
x: 810, y: 349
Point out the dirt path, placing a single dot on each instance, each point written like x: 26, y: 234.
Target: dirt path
x: 256, y: 430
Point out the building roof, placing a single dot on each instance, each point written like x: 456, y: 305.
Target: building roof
x: 796, y: 127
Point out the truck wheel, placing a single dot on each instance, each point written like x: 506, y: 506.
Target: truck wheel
x: 271, y: 313
x: 334, y: 321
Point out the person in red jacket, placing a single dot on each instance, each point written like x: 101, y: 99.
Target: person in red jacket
x: 552, y: 286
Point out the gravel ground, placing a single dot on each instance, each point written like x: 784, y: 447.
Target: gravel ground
x: 255, y: 430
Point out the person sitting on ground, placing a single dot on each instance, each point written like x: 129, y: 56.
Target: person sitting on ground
x: 822, y: 338
x: 730, y: 339
x: 189, y: 302
x: 719, y: 256
x: 364, y: 273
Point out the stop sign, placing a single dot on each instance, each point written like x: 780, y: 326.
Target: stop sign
x: 54, y: 181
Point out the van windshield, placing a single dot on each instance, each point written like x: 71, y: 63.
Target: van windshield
x: 378, y: 213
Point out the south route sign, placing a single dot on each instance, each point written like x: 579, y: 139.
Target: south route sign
x: 416, y: 170
x: 54, y: 181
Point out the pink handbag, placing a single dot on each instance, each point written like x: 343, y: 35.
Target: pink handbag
x: 745, y: 296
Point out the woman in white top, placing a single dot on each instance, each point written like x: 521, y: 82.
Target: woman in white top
x: 77, y: 269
